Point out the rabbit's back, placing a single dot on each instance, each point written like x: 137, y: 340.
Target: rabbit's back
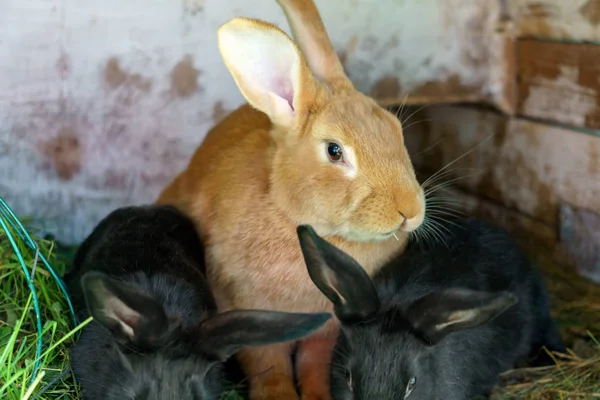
x: 474, y: 254
x: 155, y: 251
x: 137, y: 243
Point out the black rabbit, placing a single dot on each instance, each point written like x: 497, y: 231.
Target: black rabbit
x: 156, y: 333
x: 435, y: 323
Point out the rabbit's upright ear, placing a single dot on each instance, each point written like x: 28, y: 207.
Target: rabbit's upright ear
x: 311, y: 37
x: 341, y: 279
x: 267, y: 67
x: 130, y: 314
x: 225, y: 333
x: 440, y: 313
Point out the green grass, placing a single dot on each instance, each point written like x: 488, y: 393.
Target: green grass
x: 18, y: 331
x: 576, y: 308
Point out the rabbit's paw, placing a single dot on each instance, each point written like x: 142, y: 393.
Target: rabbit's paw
x: 274, y: 389
x: 319, y: 396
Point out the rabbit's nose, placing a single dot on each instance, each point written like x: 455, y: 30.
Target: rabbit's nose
x: 403, y: 219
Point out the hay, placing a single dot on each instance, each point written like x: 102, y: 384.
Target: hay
x: 574, y: 377
x: 576, y: 309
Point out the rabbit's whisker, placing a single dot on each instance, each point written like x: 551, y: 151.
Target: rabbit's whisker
x: 414, y: 113
x: 460, y: 157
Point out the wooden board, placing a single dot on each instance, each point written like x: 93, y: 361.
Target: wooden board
x: 580, y: 234
x: 577, y: 20
x: 526, y: 166
x: 574, y: 245
x: 536, y: 180
x: 471, y: 205
x: 559, y: 82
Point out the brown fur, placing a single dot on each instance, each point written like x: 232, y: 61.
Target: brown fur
x: 258, y: 174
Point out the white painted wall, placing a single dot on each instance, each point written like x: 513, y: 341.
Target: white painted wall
x: 92, y: 117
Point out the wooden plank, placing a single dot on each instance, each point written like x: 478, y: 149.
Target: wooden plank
x: 577, y: 20
x: 542, y: 183
x: 575, y: 244
x: 580, y: 234
x: 470, y: 205
x: 526, y: 166
x: 559, y: 82
x: 571, y: 248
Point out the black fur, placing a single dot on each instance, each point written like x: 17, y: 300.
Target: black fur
x: 156, y: 333
x: 452, y: 316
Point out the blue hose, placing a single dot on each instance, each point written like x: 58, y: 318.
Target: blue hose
x: 11, y: 224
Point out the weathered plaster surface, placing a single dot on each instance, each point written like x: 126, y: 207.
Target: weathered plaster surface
x: 102, y: 102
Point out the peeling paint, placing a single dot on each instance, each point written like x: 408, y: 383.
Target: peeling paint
x: 140, y: 86
x: 116, y: 77
x: 591, y: 11
x: 63, y: 65
x: 572, y: 19
x: 559, y: 82
x: 452, y: 85
x: 194, y: 6
x: 219, y: 112
x: 386, y: 87
x: 184, y: 78
x: 562, y: 95
x: 64, y: 152
x: 470, y: 51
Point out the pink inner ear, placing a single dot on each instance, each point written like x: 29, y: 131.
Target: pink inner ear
x: 285, y: 90
x: 125, y: 314
x: 277, y: 80
x: 131, y: 318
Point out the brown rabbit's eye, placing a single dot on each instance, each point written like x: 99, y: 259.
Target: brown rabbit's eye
x: 334, y: 152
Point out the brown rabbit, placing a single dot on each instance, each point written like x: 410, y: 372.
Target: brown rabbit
x: 308, y: 149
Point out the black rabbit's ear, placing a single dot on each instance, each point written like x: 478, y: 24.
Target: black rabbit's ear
x: 345, y: 283
x: 225, y: 333
x: 438, y: 314
x: 129, y: 313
